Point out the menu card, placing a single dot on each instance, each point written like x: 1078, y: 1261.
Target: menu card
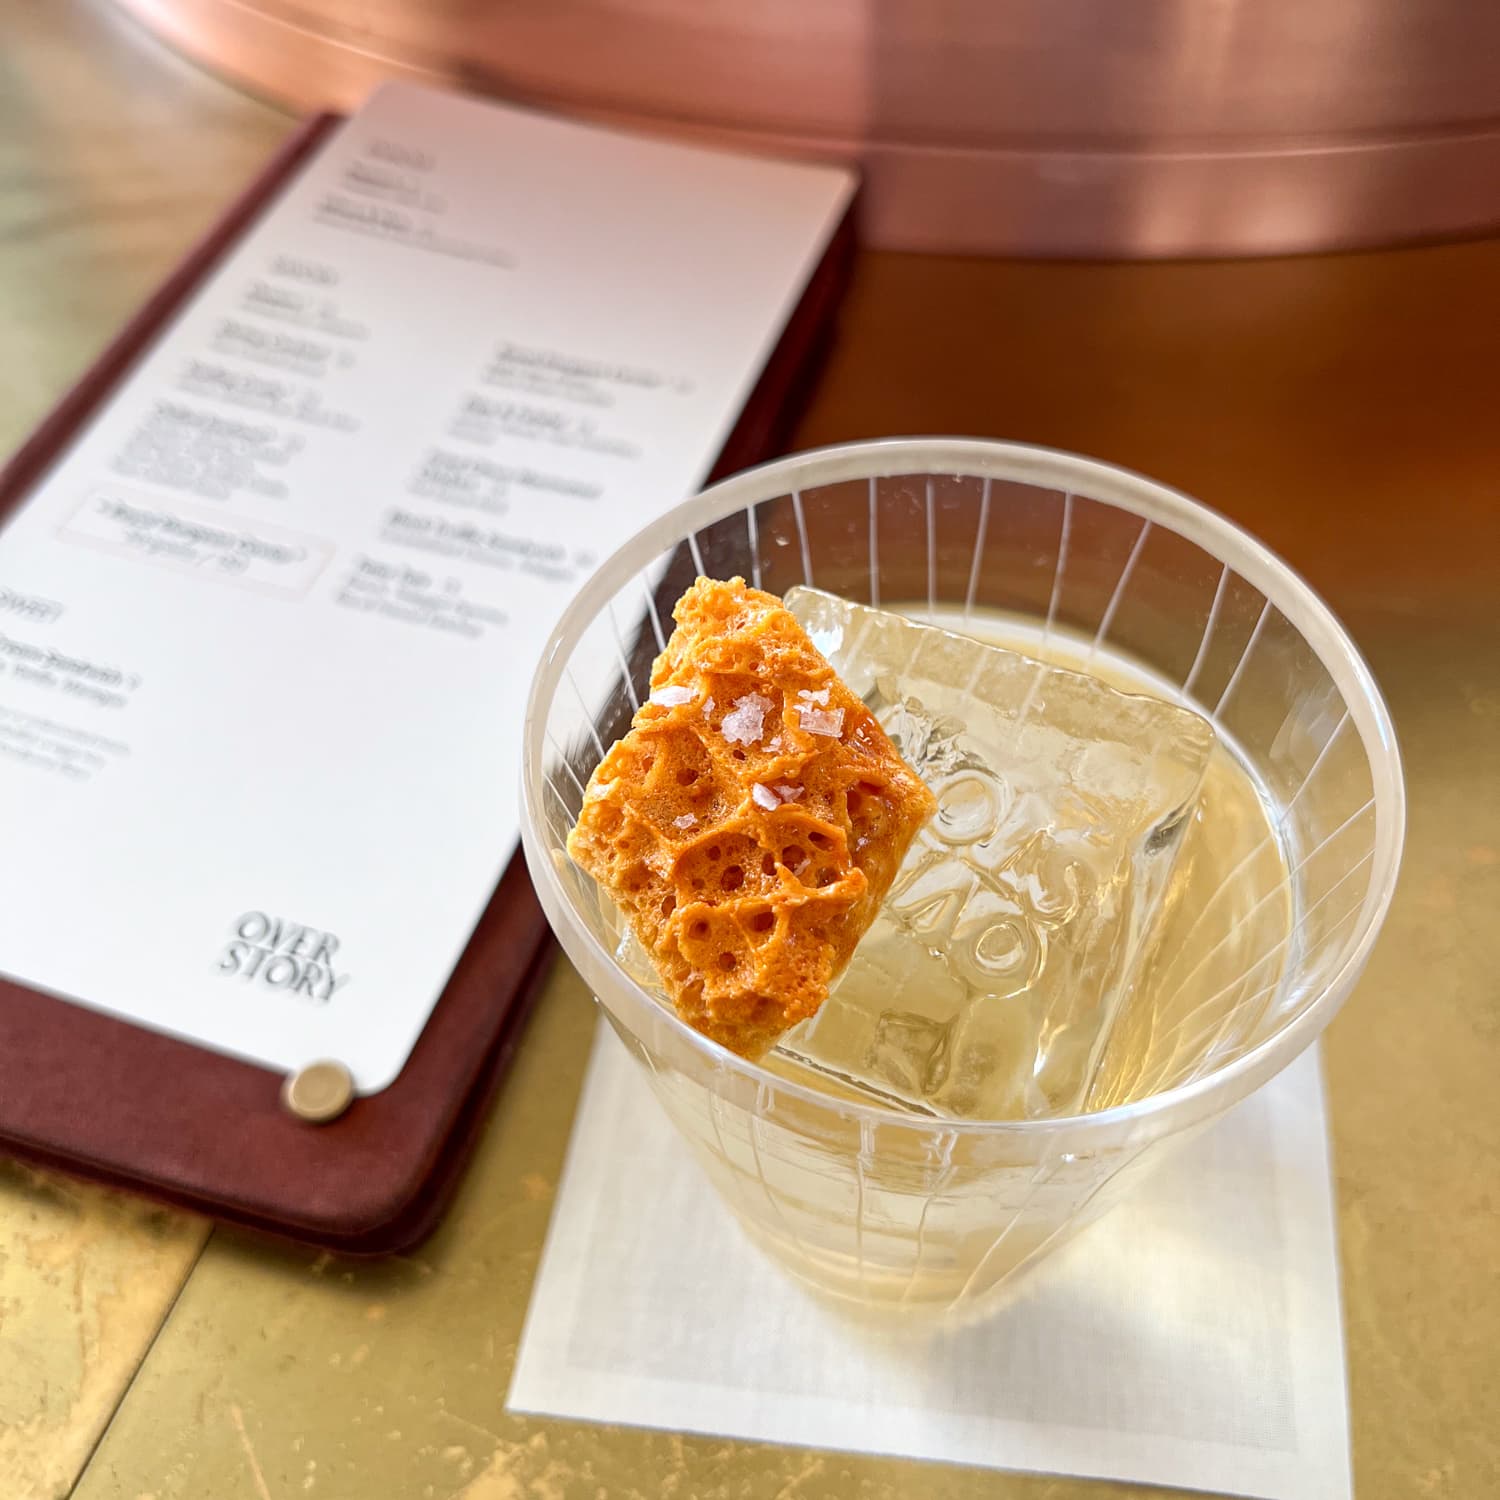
x: 267, y: 627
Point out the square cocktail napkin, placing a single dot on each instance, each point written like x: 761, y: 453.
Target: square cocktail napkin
x: 1192, y: 1337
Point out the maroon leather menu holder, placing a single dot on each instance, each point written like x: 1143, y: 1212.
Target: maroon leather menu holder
x: 101, y: 1097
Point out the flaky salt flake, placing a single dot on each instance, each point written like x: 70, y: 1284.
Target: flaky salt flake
x: 765, y: 797
x: 708, y: 707
x: 789, y: 793
x: 687, y: 820
x: 672, y: 697
x: 745, y: 722
x: 774, y: 744
x: 601, y: 789
x: 828, y: 722
x: 820, y: 697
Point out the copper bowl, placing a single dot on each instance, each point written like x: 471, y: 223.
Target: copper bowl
x: 1022, y: 127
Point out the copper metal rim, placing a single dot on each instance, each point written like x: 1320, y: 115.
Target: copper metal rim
x: 1212, y: 143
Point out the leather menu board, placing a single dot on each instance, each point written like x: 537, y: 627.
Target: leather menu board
x: 88, y: 1090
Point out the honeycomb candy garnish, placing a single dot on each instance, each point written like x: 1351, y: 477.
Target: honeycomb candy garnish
x: 752, y: 819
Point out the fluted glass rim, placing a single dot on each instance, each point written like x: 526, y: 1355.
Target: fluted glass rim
x: 1054, y: 469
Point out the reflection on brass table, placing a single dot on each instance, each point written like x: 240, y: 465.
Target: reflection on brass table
x: 1342, y: 408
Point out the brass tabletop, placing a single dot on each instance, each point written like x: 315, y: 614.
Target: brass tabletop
x: 1343, y: 408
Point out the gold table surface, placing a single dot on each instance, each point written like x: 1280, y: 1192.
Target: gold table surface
x: 1341, y: 407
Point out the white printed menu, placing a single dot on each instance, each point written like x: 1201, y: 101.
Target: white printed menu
x: 267, y: 629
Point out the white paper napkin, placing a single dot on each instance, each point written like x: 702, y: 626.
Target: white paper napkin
x: 1192, y: 1337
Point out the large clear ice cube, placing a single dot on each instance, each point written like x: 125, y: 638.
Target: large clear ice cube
x: 987, y: 987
